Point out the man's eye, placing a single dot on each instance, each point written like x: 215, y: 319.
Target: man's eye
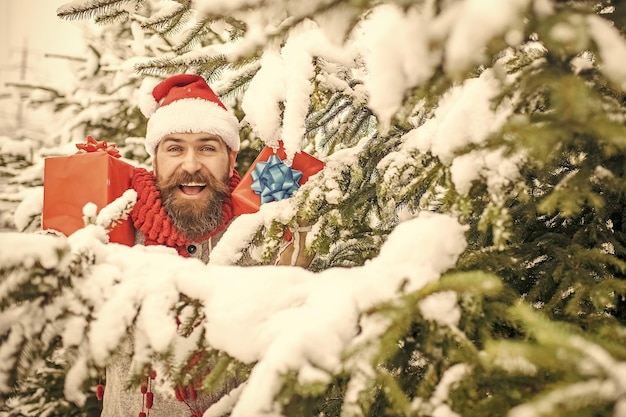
x: 174, y: 149
x: 208, y: 149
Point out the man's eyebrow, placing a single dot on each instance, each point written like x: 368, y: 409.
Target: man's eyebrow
x: 172, y: 139
x: 208, y: 139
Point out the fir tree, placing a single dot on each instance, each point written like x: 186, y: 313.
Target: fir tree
x: 508, y: 117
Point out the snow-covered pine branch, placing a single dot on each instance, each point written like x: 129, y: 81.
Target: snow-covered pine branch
x: 266, y: 316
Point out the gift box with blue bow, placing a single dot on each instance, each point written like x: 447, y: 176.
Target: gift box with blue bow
x: 270, y: 178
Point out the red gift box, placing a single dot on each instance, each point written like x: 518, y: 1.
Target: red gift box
x: 245, y: 200
x: 72, y: 181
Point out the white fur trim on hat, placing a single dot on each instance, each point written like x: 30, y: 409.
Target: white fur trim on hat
x: 192, y: 115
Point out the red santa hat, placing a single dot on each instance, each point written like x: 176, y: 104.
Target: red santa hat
x: 186, y: 104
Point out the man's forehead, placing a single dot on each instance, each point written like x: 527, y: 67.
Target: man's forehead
x: 192, y: 137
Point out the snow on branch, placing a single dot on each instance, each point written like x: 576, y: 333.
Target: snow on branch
x: 112, y: 214
x: 267, y: 316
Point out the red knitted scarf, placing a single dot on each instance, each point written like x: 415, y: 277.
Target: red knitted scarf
x: 149, y: 216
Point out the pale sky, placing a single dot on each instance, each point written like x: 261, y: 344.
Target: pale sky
x: 33, y: 24
x: 30, y: 29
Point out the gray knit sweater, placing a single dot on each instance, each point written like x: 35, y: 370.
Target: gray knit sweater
x: 122, y: 402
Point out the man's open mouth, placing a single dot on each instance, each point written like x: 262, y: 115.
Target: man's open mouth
x: 192, y: 188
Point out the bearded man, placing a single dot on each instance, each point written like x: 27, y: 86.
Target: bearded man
x: 185, y: 204
x: 193, y: 140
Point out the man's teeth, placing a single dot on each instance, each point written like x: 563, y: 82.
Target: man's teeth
x: 194, y: 184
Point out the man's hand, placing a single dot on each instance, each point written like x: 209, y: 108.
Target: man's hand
x: 294, y: 252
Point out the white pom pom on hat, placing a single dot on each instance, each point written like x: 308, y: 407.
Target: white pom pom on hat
x: 147, y: 102
x: 185, y: 103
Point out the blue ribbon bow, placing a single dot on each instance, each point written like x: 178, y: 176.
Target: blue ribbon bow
x: 274, y: 180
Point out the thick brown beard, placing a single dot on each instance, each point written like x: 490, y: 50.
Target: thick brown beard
x: 197, y: 217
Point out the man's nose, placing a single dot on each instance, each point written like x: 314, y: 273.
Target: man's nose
x: 191, y: 163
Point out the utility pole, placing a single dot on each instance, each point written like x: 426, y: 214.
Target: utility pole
x: 23, y: 66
